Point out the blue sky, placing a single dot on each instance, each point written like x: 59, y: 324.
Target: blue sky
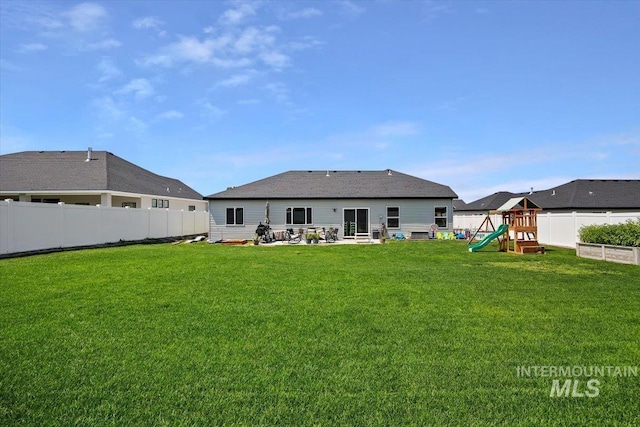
x: 480, y: 96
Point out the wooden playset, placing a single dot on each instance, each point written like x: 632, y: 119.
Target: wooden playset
x: 518, y: 232
x: 521, y: 215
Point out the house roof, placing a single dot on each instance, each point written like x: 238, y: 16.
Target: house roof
x: 458, y: 204
x: 591, y: 194
x: 577, y: 194
x: 31, y: 171
x: 519, y: 202
x: 488, y: 203
x: 338, y: 185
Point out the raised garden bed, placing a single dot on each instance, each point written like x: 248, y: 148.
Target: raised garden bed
x: 619, y: 254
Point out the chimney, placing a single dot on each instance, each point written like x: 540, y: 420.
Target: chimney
x: 89, y: 153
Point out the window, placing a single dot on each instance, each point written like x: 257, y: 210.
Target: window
x: 235, y: 216
x: 393, y: 217
x: 128, y: 204
x: 154, y: 203
x: 192, y: 208
x: 159, y: 203
x: 299, y: 216
x: 441, y: 217
x: 165, y: 204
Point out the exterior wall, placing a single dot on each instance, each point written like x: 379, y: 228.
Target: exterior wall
x: 36, y: 226
x: 142, y: 202
x: 554, y: 228
x: 175, y: 203
x: 415, y: 215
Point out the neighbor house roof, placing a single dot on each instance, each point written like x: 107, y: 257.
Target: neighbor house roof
x: 519, y: 202
x: 491, y: 202
x: 32, y: 171
x: 577, y: 194
x: 338, y: 185
x: 591, y: 194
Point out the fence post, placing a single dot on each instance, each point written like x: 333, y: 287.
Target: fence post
x: 61, y: 224
x: 10, y: 229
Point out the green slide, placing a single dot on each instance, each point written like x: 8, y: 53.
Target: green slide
x: 488, y: 238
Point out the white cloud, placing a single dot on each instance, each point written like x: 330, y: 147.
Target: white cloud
x: 237, y: 80
x: 171, y: 114
x: 104, y: 44
x: 31, y: 47
x: 146, y: 23
x: 86, y: 16
x: 107, y: 108
x: 307, y: 42
x: 239, y: 14
x: 279, y: 91
x: 309, y: 12
x: 432, y: 9
x: 350, y: 8
x: 253, y: 38
x: 275, y: 59
x: 210, y: 111
x: 108, y: 70
x: 190, y: 49
x: 134, y: 124
x: 140, y: 88
x: 150, y: 23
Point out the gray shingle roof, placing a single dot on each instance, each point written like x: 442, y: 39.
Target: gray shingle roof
x: 68, y: 171
x: 591, y: 194
x: 338, y: 185
x: 493, y: 201
x: 596, y: 194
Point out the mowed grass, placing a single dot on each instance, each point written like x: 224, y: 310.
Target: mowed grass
x: 407, y: 333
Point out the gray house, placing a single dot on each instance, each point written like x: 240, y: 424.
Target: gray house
x: 91, y: 178
x: 354, y: 202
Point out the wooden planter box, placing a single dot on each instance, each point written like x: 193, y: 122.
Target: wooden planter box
x: 619, y: 254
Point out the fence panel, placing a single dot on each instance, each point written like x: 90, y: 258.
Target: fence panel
x: 36, y: 226
x: 555, y: 228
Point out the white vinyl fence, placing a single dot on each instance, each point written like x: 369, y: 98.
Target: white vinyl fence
x: 555, y: 229
x: 36, y: 226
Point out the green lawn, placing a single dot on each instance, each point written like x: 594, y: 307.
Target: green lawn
x: 407, y: 333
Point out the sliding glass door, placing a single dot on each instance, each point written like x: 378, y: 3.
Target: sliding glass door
x: 356, y: 220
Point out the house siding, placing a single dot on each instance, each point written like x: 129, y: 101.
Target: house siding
x: 415, y: 214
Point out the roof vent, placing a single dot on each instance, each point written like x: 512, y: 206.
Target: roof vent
x: 553, y: 192
x: 388, y: 172
x: 327, y: 174
x: 89, y: 154
x: 531, y: 191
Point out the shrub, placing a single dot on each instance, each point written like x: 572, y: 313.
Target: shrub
x: 626, y: 234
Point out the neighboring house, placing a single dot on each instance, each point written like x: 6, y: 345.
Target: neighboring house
x: 91, y: 178
x: 353, y: 201
x: 580, y: 195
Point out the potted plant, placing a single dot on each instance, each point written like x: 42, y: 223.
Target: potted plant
x: 383, y: 233
x: 315, y: 238
x: 256, y: 239
x: 309, y: 238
